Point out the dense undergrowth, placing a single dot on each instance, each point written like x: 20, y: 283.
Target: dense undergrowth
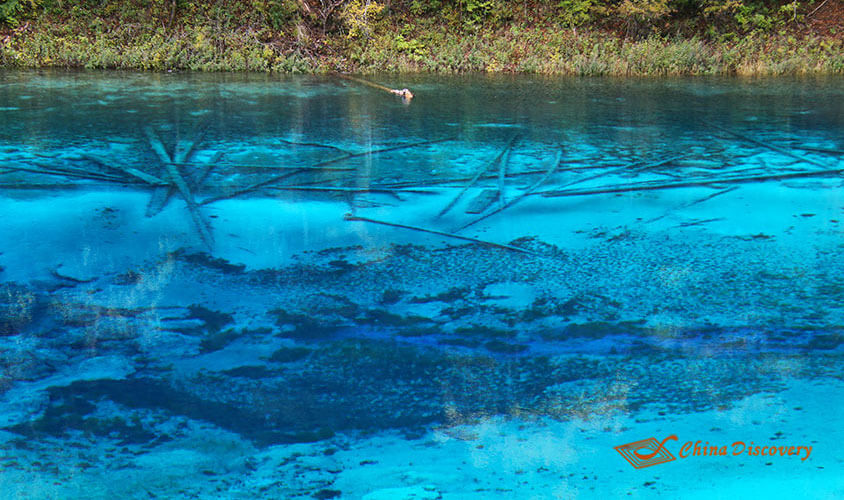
x: 583, y: 37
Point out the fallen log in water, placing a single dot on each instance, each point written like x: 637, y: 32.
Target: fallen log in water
x: 159, y: 198
x: 341, y: 189
x: 433, y: 182
x: 350, y: 217
x: 481, y: 172
x: 198, y: 179
x: 766, y: 145
x: 158, y: 147
x: 502, y: 177
x: 481, y: 202
x: 317, y: 167
x: 624, y: 168
x: 42, y: 185
x: 252, y: 187
x: 313, y: 145
x: 176, y: 178
x: 134, y: 172
x: 159, y: 194
x: 628, y: 188
x: 379, y: 151
x: 553, y: 168
x: 405, y: 94
x: 695, y: 202
x: 68, y: 172
x: 181, y: 154
x: 254, y: 166
x: 833, y: 152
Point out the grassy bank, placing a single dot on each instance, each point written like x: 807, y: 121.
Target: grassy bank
x: 579, y: 52
x: 141, y: 35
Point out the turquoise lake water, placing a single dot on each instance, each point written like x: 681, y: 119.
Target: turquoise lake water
x: 251, y: 286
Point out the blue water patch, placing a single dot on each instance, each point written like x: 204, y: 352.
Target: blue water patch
x: 290, y: 287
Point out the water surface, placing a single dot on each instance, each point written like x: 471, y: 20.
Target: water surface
x: 249, y: 286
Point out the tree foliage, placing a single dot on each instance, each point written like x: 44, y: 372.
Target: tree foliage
x: 359, y: 18
x: 10, y: 9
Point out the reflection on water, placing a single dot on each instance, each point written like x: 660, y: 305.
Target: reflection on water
x: 262, y: 281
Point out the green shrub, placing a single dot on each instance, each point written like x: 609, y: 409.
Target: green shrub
x: 357, y: 16
x: 9, y: 9
x: 281, y: 13
x: 412, y: 46
x: 420, y: 7
x: 641, y: 16
x: 750, y: 17
x: 574, y: 12
x: 477, y: 10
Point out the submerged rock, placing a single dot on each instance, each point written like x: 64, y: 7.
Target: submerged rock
x: 18, y: 306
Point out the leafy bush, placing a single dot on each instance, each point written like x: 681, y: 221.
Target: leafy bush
x: 356, y: 16
x: 753, y: 17
x: 748, y: 16
x: 420, y: 7
x: 574, y: 12
x: 477, y: 10
x: 10, y: 8
x: 490, y: 12
x: 641, y: 16
x: 281, y: 13
x: 412, y: 46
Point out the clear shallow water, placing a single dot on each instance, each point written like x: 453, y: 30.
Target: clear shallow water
x: 665, y: 260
